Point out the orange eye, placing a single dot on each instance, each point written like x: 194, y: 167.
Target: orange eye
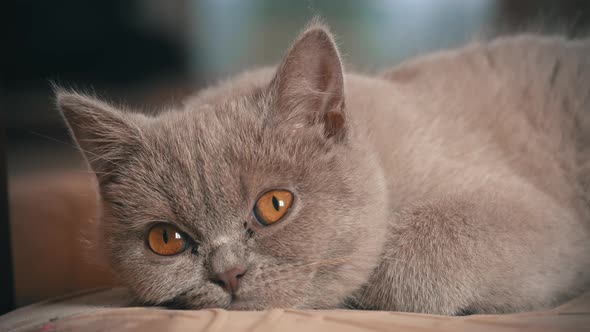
x: 166, y: 240
x: 272, y: 206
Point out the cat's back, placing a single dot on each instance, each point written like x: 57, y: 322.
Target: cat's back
x: 517, y: 105
x: 533, y: 83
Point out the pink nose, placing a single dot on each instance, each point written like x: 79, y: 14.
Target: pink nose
x: 230, y: 279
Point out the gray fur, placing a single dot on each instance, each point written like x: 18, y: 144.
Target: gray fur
x: 456, y: 182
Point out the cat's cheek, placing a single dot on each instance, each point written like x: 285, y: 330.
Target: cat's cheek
x: 273, y: 283
x: 157, y: 279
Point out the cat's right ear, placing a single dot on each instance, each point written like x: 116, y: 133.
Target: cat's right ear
x: 105, y: 135
x: 308, y: 86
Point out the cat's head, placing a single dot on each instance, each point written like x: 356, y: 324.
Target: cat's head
x: 258, y: 194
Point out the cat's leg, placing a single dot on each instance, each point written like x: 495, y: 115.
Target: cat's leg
x: 502, y: 250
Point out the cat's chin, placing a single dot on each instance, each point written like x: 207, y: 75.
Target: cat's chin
x: 244, y: 305
x: 241, y: 306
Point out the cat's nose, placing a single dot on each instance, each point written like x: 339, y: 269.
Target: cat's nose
x: 230, y: 279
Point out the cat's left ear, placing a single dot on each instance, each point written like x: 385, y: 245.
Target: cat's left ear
x: 308, y: 86
x: 105, y: 135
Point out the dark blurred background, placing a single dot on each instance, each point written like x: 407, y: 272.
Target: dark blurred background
x: 149, y: 53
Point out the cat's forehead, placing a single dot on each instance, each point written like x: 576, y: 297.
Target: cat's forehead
x: 235, y: 128
x: 209, y: 162
x: 207, y: 125
x: 217, y: 142
x: 223, y: 146
x: 232, y: 112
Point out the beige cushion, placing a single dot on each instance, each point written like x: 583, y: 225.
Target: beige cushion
x: 108, y: 310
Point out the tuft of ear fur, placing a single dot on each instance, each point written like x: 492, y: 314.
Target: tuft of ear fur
x: 104, y: 134
x: 308, y: 85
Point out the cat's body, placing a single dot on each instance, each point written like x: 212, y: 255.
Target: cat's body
x: 485, y: 155
x: 454, y: 183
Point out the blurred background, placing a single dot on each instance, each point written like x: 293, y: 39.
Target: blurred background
x: 149, y: 53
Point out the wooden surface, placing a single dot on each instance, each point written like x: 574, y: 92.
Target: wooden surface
x: 53, y: 216
x: 106, y: 310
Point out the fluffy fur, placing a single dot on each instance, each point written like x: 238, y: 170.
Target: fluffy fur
x: 454, y: 183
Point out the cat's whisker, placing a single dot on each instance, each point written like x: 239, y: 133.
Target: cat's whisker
x: 328, y: 260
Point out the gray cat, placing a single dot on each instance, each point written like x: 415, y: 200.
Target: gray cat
x: 456, y: 183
